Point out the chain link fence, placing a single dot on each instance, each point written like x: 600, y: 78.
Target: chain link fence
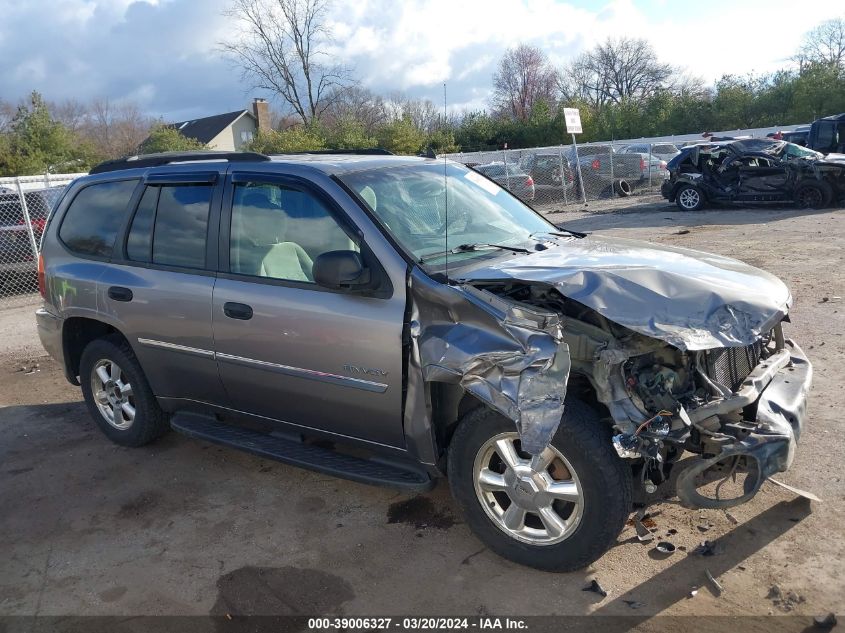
x: 562, y: 175
x: 25, y: 205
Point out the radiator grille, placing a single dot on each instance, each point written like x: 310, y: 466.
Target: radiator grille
x: 729, y: 366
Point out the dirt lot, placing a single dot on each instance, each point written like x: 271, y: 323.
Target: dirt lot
x: 182, y: 527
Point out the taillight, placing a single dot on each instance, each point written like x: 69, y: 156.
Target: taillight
x: 529, y: 182
x: 596, y: 164
x: 42, y: 282
x: 642, y: 164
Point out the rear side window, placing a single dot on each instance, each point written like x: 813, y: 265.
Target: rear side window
x: 94, y: 217
x: 170, y: 226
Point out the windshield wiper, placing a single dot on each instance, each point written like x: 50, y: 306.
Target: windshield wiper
x: 561, y: 232
x: 466, y: 248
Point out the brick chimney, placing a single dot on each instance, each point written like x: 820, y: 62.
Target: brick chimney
x: 261, y: 110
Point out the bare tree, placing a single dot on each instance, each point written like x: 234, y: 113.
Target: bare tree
x: 359, y: 104
x: 7, y: 113
x: 618, y: 70
x: 116, y: 129
x: 825, y: 44
x: 70, y: 113
x: 423, y: 113
x: 523, y: 78
x: 281, y: 47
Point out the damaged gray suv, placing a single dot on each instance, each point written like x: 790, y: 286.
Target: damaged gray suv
x: 393, y: 320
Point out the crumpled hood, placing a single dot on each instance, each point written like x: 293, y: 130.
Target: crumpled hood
x: 690, y: 299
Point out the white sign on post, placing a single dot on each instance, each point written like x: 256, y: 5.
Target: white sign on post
x: 573, y: 120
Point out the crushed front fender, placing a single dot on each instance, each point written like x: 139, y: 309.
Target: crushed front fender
x: 511, y: 357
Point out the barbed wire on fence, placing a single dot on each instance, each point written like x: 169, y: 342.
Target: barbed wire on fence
x: 25, y: 205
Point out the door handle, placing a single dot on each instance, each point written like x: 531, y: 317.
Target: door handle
x: 237, y: 311
x: 119, y: 293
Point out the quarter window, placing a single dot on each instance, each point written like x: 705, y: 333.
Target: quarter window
x: 278, y: 232
x: 94, y: 217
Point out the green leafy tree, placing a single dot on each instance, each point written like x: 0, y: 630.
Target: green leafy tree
x: 477, y: 131
x: 294, y: 139
x: 164, y: 138
x: 348, y: 133
x: 401, y: 136
x: 442, y: 141
x: 36, y: 143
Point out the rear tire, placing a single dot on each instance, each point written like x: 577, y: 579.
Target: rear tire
x: 581, y: 458
x: 813, y: 195
x: 118, y: 395
x: 689, y: 198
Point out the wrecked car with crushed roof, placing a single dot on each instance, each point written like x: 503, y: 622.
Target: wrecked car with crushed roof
x: 393, y: 320
x: 753, y: 172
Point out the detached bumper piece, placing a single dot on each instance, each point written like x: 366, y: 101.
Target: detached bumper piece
x: 766, y: 449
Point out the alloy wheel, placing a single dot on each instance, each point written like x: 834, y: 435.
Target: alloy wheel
x: 534, y: 499
x: 113, y: 394
x: 689, y: 199
x: 810, y: 198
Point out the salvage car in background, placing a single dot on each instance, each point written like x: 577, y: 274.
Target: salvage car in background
x: 553, y: 175
x: 663, y: 151
x: 510, y: 176
x: 17, y: 257
x: 605, y: 171
x: 394, y: 320
x: 754, y: 171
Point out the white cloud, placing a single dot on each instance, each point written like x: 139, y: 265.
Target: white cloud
x: 163, y: 52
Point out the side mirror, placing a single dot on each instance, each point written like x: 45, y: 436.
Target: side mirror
x: 341, y: 270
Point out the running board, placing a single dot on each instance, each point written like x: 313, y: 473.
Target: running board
x: 367, y: 471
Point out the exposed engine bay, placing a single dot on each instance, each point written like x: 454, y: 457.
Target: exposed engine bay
x: 738, y: 410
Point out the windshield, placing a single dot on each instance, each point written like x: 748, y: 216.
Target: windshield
x: 791, y: 150
x: 420, y: 206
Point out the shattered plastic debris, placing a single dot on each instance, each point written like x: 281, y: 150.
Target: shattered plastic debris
x: 717, y: 588
x: 634, y: 604
x: 687, y: 298
x: 705, y: 548
x: 665, y: 548
x: 511, y: 357
x: 693, y: 592
x: 643, y: 533
x: 801, y: 493
x: 595, y: 587
x: 785, y: 601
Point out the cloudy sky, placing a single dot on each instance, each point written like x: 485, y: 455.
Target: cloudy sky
x: 163, y: 54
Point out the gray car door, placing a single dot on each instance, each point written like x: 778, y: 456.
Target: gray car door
x: 288, y: 349
x: 158, y: 288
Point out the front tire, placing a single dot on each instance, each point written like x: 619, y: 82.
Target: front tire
x: 689, y: 198
x: 118, y: 395
x: 560, y: 512
x: 813, y: 195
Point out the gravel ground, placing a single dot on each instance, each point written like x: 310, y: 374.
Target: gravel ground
x: 182, y: 527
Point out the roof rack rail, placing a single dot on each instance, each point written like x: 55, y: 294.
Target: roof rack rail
x: 367, y: 151
x: 165, y: 158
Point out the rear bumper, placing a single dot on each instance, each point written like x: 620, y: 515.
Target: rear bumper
x: 666, y: 190
x: 50, y: 332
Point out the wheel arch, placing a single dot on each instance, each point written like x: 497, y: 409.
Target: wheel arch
x: 77, y: 333
x: 450, y: 403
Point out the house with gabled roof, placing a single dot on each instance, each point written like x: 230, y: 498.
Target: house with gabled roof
x: 230, y: 131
